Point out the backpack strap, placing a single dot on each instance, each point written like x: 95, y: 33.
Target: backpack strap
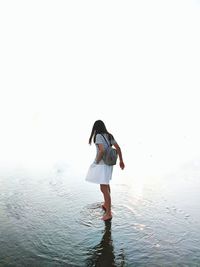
x: 106, y: 140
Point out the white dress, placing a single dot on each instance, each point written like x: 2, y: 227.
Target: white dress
x: 100, y: 173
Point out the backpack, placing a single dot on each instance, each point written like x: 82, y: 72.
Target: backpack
x: 110, y: 155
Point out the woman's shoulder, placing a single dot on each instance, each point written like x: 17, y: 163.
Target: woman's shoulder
x: 110, y: 137
x: 99, y: 138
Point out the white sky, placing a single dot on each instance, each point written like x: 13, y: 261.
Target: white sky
x: 133, y: 64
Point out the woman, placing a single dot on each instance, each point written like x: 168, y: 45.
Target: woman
x: 99, y: 172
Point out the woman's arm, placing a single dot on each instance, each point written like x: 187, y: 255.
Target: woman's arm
x: 119, y: 152
x: 100, y: 153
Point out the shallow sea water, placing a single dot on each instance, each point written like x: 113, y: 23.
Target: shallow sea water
x: 54, y: 219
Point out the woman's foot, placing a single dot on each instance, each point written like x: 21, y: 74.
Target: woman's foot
x: 107, y: 217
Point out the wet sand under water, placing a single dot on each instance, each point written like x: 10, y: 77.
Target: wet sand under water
x: 50, y: 219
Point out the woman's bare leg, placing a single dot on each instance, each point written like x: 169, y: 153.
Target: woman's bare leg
x: 105, y: 189
x: 104, y: 205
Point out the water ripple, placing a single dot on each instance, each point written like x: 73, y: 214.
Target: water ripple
x: 91, y: 215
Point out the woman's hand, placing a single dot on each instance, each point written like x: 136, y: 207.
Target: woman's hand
x: 121, y: 164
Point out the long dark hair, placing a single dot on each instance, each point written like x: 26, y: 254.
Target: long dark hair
x: 99, y: 128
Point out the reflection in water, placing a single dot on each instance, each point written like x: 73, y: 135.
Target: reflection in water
x: 103, y: 253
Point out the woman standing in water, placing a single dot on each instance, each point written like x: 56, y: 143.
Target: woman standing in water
x: 99, y: 172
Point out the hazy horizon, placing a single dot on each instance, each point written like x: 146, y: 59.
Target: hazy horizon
x: 134, y: 65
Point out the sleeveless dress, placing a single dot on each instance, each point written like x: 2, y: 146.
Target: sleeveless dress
x: 100, y: 173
